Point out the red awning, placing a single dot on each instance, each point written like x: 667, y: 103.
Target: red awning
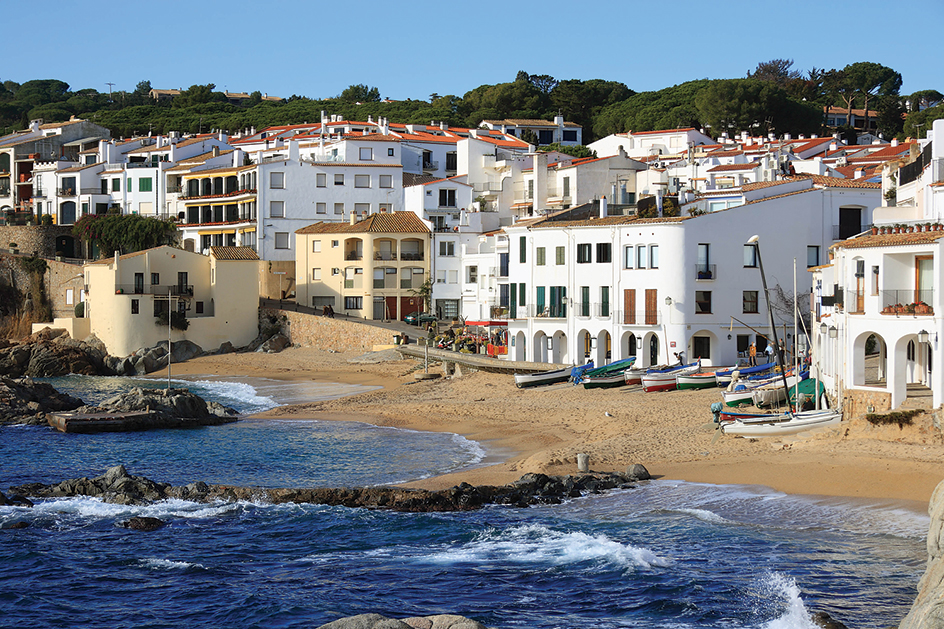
x: 487, y: 324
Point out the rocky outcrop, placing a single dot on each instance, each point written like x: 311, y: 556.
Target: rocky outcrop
x: 275, y: 344
x: 376, y: 621
x: 117, y: 486
x: 928, y: 609
x: 169, y: 408
x: 26, y: 402
x: 49, y: 353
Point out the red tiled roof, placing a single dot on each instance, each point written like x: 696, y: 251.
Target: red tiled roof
x: 393, y: 223
x: 733, y: 167
x: 890, y: 240
x: 233, y: 253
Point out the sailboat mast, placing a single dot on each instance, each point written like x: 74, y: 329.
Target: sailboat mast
x: 796, y: 357
x: 755, y: 240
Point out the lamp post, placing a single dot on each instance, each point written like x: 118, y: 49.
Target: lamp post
x: 755, y: 240
x: 170, y: 290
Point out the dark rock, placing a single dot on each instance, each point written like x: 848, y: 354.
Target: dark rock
x: 275, y: 344
x: 824, y: 620
x: 182, y: 350
x: 25, y: 401
x: 226, y: 348
x: 376, y: 621
x: 19, y: 525
x: 143, y: 524
x: 637, y: 471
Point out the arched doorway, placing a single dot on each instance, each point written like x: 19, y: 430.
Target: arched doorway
x: 65, y: 246
x: 603, y: 353
x: 67, y: 213
x: 521, y: 352
x: 560, y: 352
x: 540, y: 347
x: 869, y: 360
x: 584, y: 346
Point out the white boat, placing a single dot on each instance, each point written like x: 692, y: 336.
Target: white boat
x: 796, y: 423
x: 665, y: 379
x: 634, y: 376
x: 523, y: 380
x: 774, y: 393
x: 741, y: 392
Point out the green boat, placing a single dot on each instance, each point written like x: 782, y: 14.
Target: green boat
x: 808, y: 388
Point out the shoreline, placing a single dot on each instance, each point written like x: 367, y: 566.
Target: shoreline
x: 541, y: 430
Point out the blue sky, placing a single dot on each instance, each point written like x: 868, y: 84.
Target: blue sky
x: 413, y: 48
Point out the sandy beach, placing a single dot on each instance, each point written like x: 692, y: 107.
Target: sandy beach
x: 543, y: 429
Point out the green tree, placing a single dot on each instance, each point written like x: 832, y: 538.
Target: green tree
x: 776, y: 71
x: 360, y: 94
x: 581, y: 101
x: 870, y: 80
x: 198, y: 94
x: 125, y: 233
x: 578, y: 151
x: 529, y: 136
x: 754, y: 106
x: 924, y: 99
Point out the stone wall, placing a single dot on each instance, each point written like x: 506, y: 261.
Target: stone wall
x: 59, y: 278
x: 35, y: 239
x: 856, y: 404
x: 337, y: 334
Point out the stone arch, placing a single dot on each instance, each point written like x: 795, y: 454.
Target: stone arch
x: 650, y: 350
x: 560, y: 353
x: 520, y: 347
x: 584, y: 353
x: 870, y: 370
x: 629, y: 345
x: 604, y: 351
x: 539, y: 347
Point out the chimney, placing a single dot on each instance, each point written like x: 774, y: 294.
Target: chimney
x: 603, y: 207
x: 216, y: 151
x: 353, y: 217
x: 894, y: 141
x: 443, y: 126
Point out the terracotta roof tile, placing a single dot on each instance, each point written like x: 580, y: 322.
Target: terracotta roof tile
x: 733, y: 167
x: 891, y: 240
x: 393, y: 223
x: 233, y: 253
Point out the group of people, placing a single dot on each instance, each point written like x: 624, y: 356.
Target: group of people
x: 328, y: 311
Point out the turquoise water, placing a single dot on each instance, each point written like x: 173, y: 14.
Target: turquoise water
x: 666, y: 554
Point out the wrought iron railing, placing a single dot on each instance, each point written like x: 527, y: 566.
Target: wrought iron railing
x: 706, y: 271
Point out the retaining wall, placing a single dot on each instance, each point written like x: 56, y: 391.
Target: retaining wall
x: 337, y: 334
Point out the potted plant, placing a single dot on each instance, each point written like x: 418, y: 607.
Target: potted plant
x: 874, y: 230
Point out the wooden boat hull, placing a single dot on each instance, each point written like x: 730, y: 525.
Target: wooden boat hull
x: 525, y: 380
x: 799, y: 422
x: 605, y: 381
x: 696, y: 381
x: 667, y: 380
x: 723, y: 376
x: 634, y: 376
x: 774, y: 393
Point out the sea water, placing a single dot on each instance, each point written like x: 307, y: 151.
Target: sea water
x: 665, y: 554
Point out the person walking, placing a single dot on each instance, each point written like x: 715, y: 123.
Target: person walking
x: 752, y: 352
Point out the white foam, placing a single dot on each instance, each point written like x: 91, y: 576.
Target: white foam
x: 87, y: 507
x: 240, y: 395
x: 536, y: 544
x: 796, y: 615
x: 476, y: 451
x: 703, y: 515
x: 167, y: 564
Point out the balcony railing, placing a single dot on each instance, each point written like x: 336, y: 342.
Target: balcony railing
x: 548, y: 311
x: 430, y: 165
x: 175, y: 290
x: 385, y: 255
x: 638, y: 317
x: 353, y: 255
x: 66, y: 192
x: 410, y: 255
x: 706, y: 272
x: 908, y: 301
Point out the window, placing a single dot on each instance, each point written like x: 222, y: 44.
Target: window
x: 362, y: 181
x: 584, y: 253
x: 531, y: 189
x: 104, y: 186
x: 522, y: 250
x: 70, y: 296
x: 155, y: 279
x: 584, y: 306
x: 386, y: 181
x: 447, y: 248
x: 353, y: 303
x: 135, y: 306
x: 653, y: 256
x: 385, y: 208
x: 702, y: 302
x: 276, y: 180
x: 502, y: 265
x: 440, y: 277
x: 447, y: 198
x: 522, y: 294
x: 566, y: 187
x: 362, y: 209
x: 560, y: 256
x: 316, y: 246
x: 390, y: 153
x: 875, y: 280
x: 749, y: 301
x: 321, y: 208
x: 321, y: 180
x: 539, y: 256
x: 199, y: 307
x: 743, y: 343
x: 453, y: 277
x: 604, y: 252
x: 144, y: 184
x: 640, y: 256
x: 334, y: 244
x: 276, y: 209
x: 812, y: 256
x: 569, y: 136
x: 750, y: 256
x: 335, y: 271
x: 704, y: 257
x: 339, y: 209
x: 628, y: 255
x: 701, y: 347
x: 281, y: 240
x: 116, y: 185
x: 366, y: 153
x: 472, y: 274
x: 339, y: 179
x: 604, y: 301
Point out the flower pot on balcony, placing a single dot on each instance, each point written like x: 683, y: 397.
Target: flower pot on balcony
x: 922, y: 309
x: 875, y: 231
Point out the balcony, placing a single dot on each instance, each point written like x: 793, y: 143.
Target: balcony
x: 907, y: 302
x: 175, y: 290
x: 638, y: 317
x: 544, y: 311
x: 66, y: 192
x: 385, y: 255
x: 706, y: 272
x: 353, y: 255
x: 430, y: 165
x: 412, y: 256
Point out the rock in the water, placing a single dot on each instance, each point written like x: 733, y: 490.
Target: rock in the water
x: 18, y: 525
x: 168, y: 405
x: 824, y: 620
x: 145, y: 524
x: 376, y: 621
x: 637, y: 471
x: 22, y: 400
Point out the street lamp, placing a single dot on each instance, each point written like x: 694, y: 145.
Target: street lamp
x: 833, y: 332
x: 923, y: 336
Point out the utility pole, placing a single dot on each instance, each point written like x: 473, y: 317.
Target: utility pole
x: 110, y: 85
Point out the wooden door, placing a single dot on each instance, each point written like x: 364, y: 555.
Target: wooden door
x: 629, y: 306
x: 652, y: 306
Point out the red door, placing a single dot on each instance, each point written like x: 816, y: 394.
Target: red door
x: 391, y: 303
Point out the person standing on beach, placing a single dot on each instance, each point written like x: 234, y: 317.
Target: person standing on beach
x: 752, y: 352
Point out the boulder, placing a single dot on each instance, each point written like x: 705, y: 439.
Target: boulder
x: 144, y: 524
x: 22, y: 400
x: 275, y: 344
x: 226, y: 348
x: 50, y: 359
x: 637, y: 471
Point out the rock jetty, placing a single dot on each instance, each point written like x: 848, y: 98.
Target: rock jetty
x: 26, y: 402
x: 376, y: 621
x: 168, y: 408
x: 927, y: 612
x: 119, y: 487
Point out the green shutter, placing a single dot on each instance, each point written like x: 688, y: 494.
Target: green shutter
x: 605, y: 301
x: 513, y: 303
x: 522, y: 294
x: 539, y: 301
x: 522, y: 250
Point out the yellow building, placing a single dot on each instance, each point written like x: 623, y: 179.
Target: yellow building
x: 370, y: 268
x: 218, y: 294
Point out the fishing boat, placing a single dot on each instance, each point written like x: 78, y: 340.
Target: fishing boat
x: 608, y: 376
x: 775, y: 427
x: 634, y: 376
x: 700, y: 380
x: 524, y: 380
x: 723, y: 377
x: 665, y: 379
x: 742, y: 390
x: 774, y: 393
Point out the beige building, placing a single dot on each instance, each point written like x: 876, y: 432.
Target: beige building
x: 217, y: 293
x: 370, y: 268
